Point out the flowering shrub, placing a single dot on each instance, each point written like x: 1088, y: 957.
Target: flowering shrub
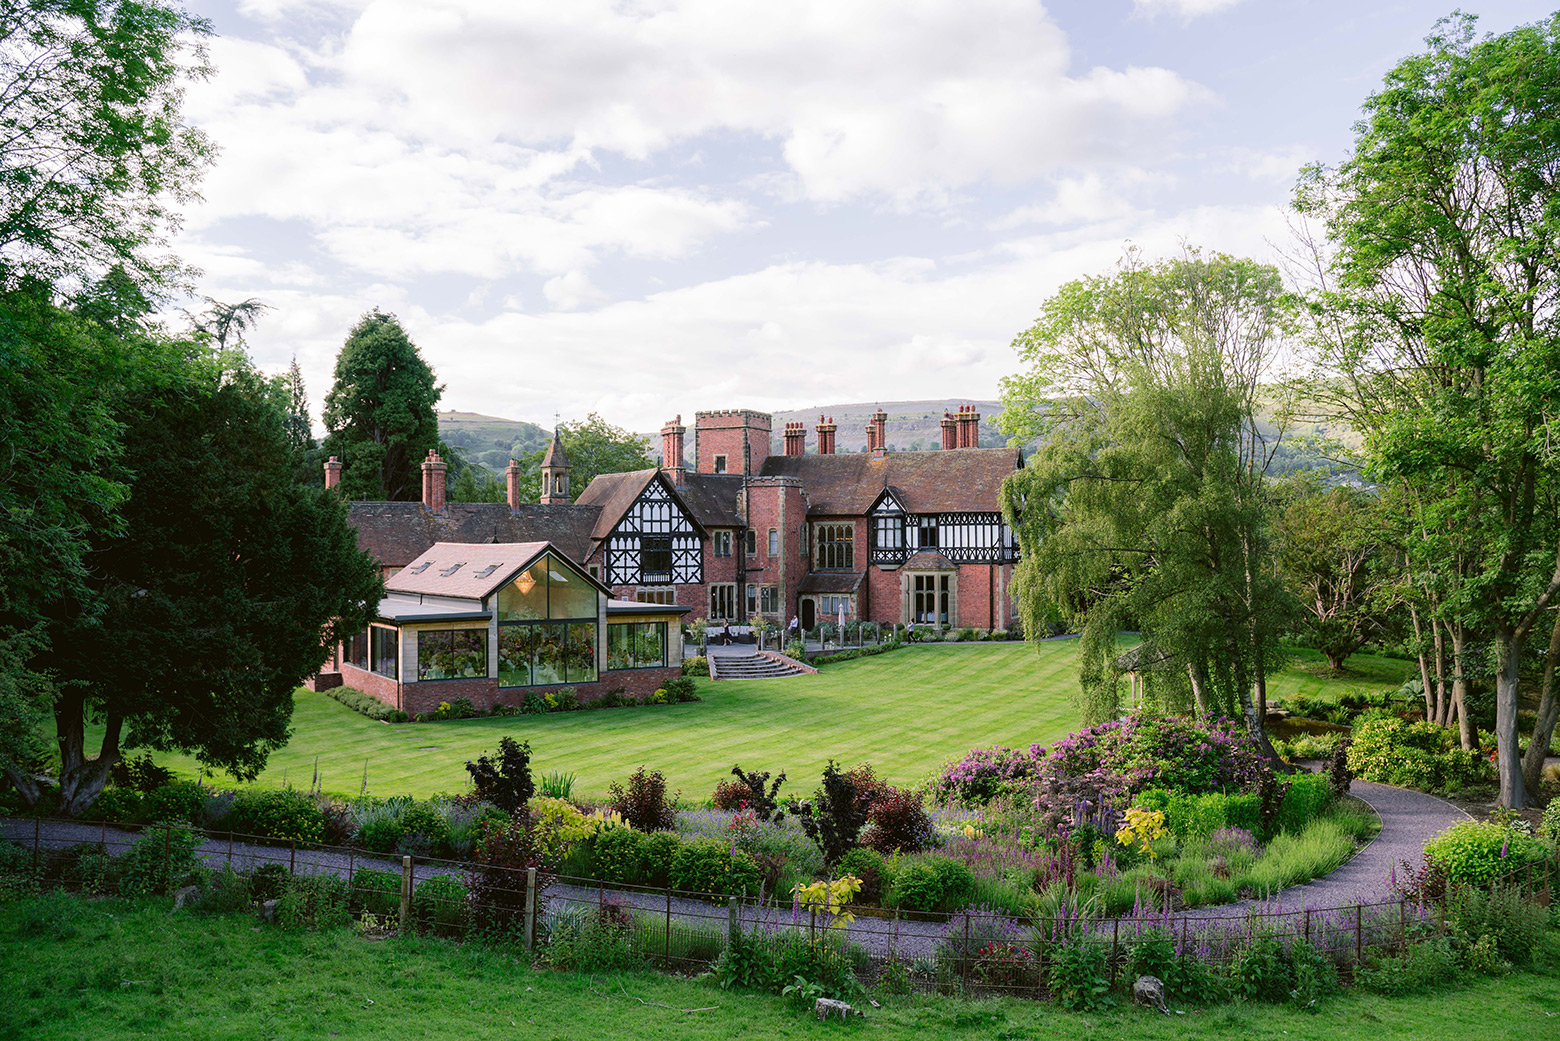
x: 984, y: 773
x: 1107, y: 764
x: 1414, y: 755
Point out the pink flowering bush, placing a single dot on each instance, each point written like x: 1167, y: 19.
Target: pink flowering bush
x: 984, y: 773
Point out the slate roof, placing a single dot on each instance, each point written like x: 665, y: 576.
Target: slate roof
x: 556, y: 456
x: 611, y: 495
x: 467, y: 570
x: 924, y: 482
x: 930, y: 560
x: 396, y: 533
x: 831, y: 581
x: 710, y: 499
x: 713, y: 499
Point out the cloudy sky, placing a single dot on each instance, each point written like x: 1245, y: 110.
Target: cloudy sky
x: 646, y: 207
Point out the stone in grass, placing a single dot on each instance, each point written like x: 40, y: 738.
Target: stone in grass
x: 828, y: 1008
x: 268, y: 911
x: 1149, y: 990
x: 184, y: 896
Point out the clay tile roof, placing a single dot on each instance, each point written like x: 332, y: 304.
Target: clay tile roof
x: 396, y: 533
x: 611, y: 495
x: 466, y: 570
x: 831, y: 581
x: 924, y: 482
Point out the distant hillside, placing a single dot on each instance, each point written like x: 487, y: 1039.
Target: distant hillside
x: 490, y: 441
x: 912, y: 426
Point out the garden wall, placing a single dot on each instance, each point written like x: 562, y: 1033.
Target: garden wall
x: 418, y: 698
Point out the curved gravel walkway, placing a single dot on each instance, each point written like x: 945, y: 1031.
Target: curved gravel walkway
x: 1409, y: 819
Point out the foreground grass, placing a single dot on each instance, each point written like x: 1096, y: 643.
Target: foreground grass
x: 905, y: 713
x: 78, y: 969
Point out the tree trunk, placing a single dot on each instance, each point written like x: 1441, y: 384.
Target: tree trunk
x: 1513, y: 793
x: 1195, y: 673
x: 82, y: 779
x: 1424, y: 665
x: 1548, y: 715
x: 1443, y: 704
x: 1460, y: 688
x: 26, y: 785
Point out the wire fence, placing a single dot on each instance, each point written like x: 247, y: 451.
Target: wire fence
x: 971, y: 951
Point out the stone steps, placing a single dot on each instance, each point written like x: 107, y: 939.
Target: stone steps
x: 748, y: 667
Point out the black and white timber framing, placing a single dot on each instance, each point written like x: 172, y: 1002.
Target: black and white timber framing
x: 656, y: 543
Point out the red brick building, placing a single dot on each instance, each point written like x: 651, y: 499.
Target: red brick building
x: 892, y: 537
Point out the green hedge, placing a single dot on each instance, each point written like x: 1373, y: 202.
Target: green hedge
x: 853, y: 653
x: 1418, y: 755
x: 1478, y: 852
x: 367, y: 704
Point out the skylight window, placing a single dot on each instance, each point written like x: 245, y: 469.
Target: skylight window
x: 485, y: 572
x: 420, y: 568
x: 447, y: 572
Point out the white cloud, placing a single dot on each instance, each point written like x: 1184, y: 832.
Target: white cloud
x: 1186, y: 9
x: 571, y: 291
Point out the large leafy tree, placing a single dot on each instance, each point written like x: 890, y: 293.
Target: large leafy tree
x: 94, y: 153
x: 1332, y: 555
x: 1146, y: 500
x: 222, y: 587
x: 594, y: 447
x: 380, y: 417
x: 1439, y: 300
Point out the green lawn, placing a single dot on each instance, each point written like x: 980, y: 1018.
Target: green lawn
x: 117, y: 969
x: 904, y: 712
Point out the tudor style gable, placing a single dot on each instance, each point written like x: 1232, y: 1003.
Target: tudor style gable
x: 656, y: 542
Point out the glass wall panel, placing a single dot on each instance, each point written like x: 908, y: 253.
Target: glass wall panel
x: 357, y: 650
x: 547, y: 664
x: 514, y: 655
x: 620, y: 646
x: 447, y: 654
x: 581, y: 653
x: 572, y: 596
x: 649, y: 645
x: 525, y: 598
x: 383, y: 647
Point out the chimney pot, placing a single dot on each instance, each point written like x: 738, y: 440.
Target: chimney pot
x: 332, y: 472
x: 434, y: 472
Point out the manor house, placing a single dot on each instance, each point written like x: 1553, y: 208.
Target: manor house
x: 882, y: 536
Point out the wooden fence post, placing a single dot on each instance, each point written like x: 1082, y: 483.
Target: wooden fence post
x: 530, y: 908
x: 406, y: 893
x: 667, y: 953
x: 292, y: 858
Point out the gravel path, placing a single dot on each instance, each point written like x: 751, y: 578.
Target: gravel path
x: 1409, y: 819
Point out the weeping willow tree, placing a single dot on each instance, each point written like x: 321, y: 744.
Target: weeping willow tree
x: 1146, y: 504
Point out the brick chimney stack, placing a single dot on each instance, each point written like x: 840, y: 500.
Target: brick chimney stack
x: 433, y: 473
x: 879, y: 440
x: 672, y: 451
x: 872, y: 445
x: 795, y: 438
x: 332, y: 472
x: 950, y: 432
x: 512, y: 480
x: 826, y: 429
x: 969, y: 427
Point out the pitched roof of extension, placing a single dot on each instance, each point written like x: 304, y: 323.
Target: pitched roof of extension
x: 470, y: 571
x: 923, y: 482
x: 463, y: 569
x: 396, y: 533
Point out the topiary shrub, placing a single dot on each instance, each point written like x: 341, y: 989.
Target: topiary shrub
x: 1477, y: 852
x: 439, y: 905
x: 931, y: 884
